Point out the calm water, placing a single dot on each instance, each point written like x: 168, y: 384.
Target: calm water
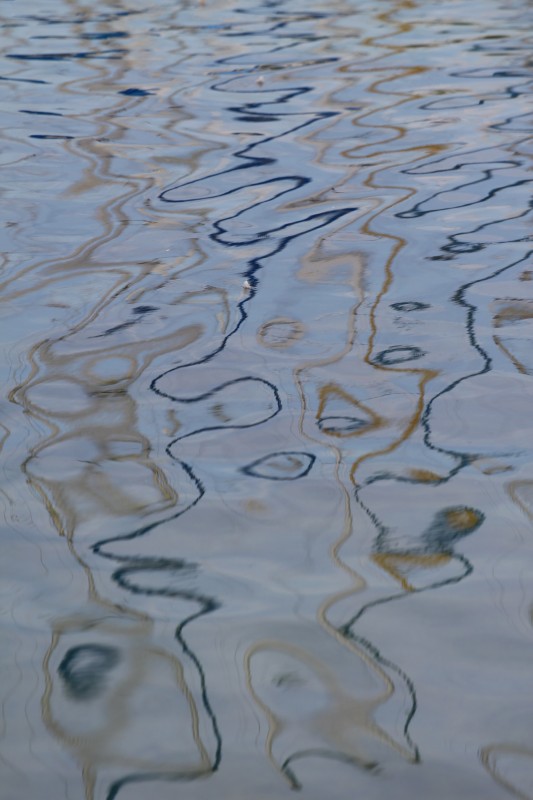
x: 266, y: 417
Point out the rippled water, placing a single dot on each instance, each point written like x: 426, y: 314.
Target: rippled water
x: 266, y: 320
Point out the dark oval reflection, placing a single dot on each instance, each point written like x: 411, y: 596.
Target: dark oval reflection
x: 397, y: 354
x: 84, y: 669
x: 286, y: 465
x: 410, y: 305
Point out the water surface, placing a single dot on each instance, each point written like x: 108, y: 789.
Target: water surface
x: 266, y: 318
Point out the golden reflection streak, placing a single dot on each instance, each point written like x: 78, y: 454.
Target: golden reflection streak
x: 392, y: 563
x: 78, y: 261
x: 489, y: 755
x: 399, y: 130
x: 513, y: 359
x: 426, y: 376
x: 512, y: 488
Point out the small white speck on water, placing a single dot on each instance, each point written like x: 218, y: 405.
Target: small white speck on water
x: 247, y: 285
x: 260, y: 80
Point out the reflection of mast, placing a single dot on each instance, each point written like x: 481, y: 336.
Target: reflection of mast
x: 354, y: 419
x: 348, y: 416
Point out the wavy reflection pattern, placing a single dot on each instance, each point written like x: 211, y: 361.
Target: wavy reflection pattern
x: 254, y: 260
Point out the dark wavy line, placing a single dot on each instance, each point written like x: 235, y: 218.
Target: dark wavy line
x: 415, y: 211
x: 459, y: 298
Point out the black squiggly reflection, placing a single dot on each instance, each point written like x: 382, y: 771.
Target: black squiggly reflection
x: 488, y: 176
x: 165, y: 569
x: 177, y: 569
x: 368, y: 766
x: 266, y: 406
x: 463, y: 459
x: 112, y: 54
x: 471, y: 162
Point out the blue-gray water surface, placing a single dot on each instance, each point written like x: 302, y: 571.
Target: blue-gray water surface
x: 266, y: 420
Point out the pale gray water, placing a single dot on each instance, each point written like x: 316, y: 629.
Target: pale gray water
x: 266, y: 420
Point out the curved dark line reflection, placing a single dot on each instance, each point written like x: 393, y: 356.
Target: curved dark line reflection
x: 345, y: 629
x: 225, y: 427
x: 147, y: 777
x: 376, y: 655
x: 253, y: 266
x: 297, y: 180
x: 436, y: 542
x: 315, y: 752
x: 338, y: 425
x: 121, y: 575
x: 133, y: 565
x: 450, y: 164
x: 507, y: 123
x: 113, y: 54
x: 243, y: 154
x: 207, y: 605
x: 424, y: 169
x: 460, y: 298
x: 457, y: 246
x: 416, y: 210
x: 97, y: 548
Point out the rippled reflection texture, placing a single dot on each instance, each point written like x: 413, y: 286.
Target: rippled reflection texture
x: 266, y: 430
